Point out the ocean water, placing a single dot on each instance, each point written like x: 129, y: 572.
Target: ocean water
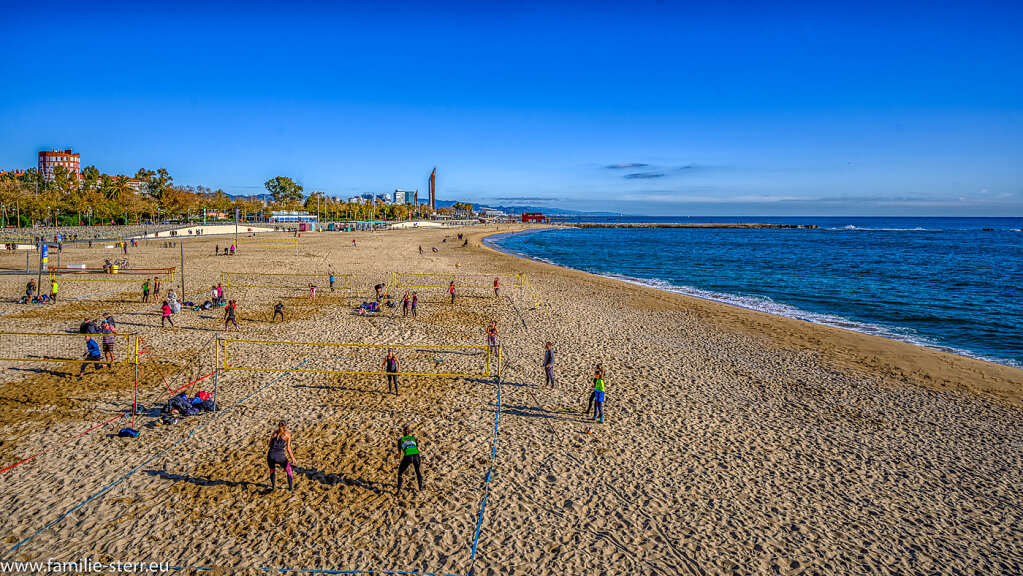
x: 954, y: 284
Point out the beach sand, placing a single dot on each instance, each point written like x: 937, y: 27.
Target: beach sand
x: 735, y: 442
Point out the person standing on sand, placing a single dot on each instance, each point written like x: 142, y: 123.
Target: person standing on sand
x: 391, y: 367
x: 404, y: 304
x: 415, y: 303
x: 166, y: 309
x: 408, y: 447
x: 492, y: 337
x: 216, y: 250
x: 229, y: 312
x: 108, y: 343
x: 145, y: 290
x: 598, y: 374
x: 598, y: 398
x: 156, y: 286
x: 451, y: 289
x: 548, y: 365
x: 312, y: 292
x: 497, y: 286
x: 278, y: 453
x: 54, y: 289
x: 420, y: 249
x: 331, y: 281
x: 278, y: 309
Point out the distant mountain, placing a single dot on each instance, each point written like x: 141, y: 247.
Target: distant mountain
x: 515, y: 209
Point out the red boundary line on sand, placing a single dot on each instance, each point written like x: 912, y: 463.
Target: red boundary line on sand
x: 64, y: 442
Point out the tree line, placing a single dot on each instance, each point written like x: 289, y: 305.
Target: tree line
x: 152, y: 196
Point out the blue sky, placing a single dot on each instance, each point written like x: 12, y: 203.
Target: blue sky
x: 721, y: 108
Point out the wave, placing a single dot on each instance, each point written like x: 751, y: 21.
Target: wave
x: 868, y: 229
x: 769, y: 306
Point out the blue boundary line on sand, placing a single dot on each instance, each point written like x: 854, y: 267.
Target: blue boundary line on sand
x: 486, y: 483
x: 154, y: 457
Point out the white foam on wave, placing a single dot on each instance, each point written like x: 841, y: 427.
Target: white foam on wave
x: 865, y: 229
x: 769, y: 306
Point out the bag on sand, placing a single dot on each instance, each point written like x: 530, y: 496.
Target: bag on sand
x: 128, y: 433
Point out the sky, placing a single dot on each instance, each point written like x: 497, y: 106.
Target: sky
x: 643, y: 107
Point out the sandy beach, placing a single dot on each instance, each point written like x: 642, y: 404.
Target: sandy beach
x: 735, y: 442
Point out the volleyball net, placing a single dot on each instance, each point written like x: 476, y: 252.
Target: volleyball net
x: 267, y: 243
x: 24, y: 348
x: 450, y: 361
x: 119, y: 275
x: 277, y: 283
x: 415, y: 280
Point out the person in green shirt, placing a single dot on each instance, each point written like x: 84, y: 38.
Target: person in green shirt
x: 408, y: 446
x: 53, y: 290
x: 598, y: 398
x: 145, y: 291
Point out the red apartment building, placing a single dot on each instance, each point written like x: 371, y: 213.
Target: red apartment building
x: 50, y: 159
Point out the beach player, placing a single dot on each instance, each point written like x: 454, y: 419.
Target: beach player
x: 156, y: 287
x: 405, y: 303
x: 166, y: 310
x: 331, y: 281
x: 312, y: 292
x: 415, y: 303
x: 598, y: 373
x: 278, y: 309
x: 451, y: 290
x: 54, y: 289
x: 391, y: 367
x: 408, y: 447
x: 380, y: 291
x: 497, y: 287
x: 279, y: 452
x: 91, y: 354
x: 598, y: 398
x: 548, y: 364
x: 145, y: 290
x: 229, y: 315
x: 108, y: 343
x: 492, y: 337
x: 420, y: 249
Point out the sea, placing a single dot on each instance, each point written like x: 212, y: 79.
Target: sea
x: 952, y: 284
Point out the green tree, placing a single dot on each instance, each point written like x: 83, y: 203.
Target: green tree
x: 284, y: 190
x: 156, y: 182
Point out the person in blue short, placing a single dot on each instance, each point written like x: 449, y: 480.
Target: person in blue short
x: 598, y: 398
x: 92, y: 354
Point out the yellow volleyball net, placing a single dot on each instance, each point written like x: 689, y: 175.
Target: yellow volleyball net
x: 293, y: 285
x: 276, y: 242
x: 108, y: 283
x: 450, y: 361
x: 27, y: 348
x: 112, y: 275
x: 416, y: 280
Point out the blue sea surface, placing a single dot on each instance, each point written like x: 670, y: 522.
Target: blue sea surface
x: 954, y: 284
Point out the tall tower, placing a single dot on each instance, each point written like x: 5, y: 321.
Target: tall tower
x: 433, y: 189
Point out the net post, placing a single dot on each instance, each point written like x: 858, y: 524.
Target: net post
x: 499, y: 347
x: 135, y: 400
x: 216, y: 367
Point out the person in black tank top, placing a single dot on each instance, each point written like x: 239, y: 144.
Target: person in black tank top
x: 391, y: 368
x: 279, y: 453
